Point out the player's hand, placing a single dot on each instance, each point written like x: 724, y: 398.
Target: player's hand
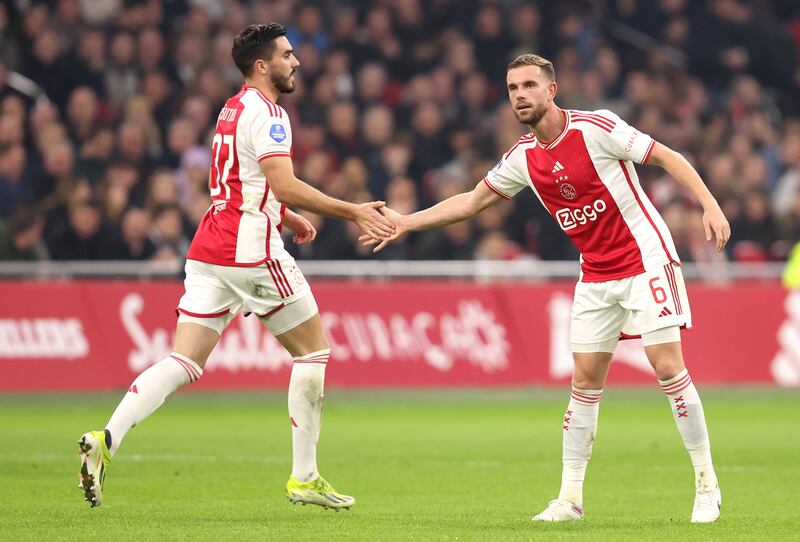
x: 304, y: 231
x: 715, y: 223
x: 369, y: 217
x: 400, y: 230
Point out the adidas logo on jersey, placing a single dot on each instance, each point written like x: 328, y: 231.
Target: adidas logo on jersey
x: 665, y: 312
x: 558, y: 167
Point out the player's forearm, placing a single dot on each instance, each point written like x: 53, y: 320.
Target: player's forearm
x: 303, y: 196
x: 452, y: 210
x: 682, y: 171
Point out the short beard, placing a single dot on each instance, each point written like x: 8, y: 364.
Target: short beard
x: 537, y: 115
x: 283, y: 84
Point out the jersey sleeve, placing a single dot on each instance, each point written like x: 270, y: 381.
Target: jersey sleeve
x: 625, y: 142
x: 271, y: 133
x: 506, y: 178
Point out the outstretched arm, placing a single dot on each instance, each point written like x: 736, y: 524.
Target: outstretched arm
x: 676, y: 165
x: 454, y: 209
x: 293, y: 192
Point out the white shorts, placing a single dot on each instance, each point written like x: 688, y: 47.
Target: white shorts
x: 629, y: 307
x: 216, y: 290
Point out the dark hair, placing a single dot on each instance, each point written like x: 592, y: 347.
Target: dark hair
x: 22, y: 219
x: 255, y: 41
x: 533, y: 60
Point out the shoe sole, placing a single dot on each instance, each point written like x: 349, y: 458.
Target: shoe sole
x: 87, y: 482
x: 297, y: 499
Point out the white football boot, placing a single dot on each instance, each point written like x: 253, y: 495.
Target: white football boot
x: 707, y: 505
x: 95, y: 459
x: 560, y: 511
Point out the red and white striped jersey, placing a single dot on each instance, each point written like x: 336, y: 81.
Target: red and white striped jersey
x: 242, y: 226
x: 586, y: 180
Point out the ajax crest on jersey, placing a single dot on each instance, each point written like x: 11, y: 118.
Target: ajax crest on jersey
x: 277, y: 132
x: 567, y: 190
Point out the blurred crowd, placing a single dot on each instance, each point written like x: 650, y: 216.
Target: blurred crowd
x: 106, y: 107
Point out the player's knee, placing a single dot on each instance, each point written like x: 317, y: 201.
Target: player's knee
x: 666, y: 369
x: 588, y: 379
x: 587, y: 382
x: 663, y: 349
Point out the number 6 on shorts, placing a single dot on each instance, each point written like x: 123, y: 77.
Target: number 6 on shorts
x: 659, y: 295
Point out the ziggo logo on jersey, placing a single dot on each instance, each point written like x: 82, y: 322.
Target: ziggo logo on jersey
x: 572, y: 218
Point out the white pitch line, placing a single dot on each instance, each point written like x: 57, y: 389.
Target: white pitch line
x: 51, y: 457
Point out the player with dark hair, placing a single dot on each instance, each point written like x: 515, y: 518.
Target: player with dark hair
x: 580, y: 166
x: 237, y: 263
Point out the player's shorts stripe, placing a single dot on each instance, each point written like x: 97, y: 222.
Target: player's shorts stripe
x: 673, y: 287
x: 649, y: 150
x: 673, y: 284
x: 596, y: 118
x: 677, y: 386
x: 273, y: 154
x: 278, y: 284
x: 283, y: 276
x: 268, y: 263
x: 644, y: 210
x: 495, y: 190
x: 601, y: 126
x: 677, y: 290
x: 201, y: 315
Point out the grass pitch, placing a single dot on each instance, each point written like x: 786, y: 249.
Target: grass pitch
x: 422, y: 466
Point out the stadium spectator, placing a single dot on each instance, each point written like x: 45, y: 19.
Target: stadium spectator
x: 22, y: 238
x: 86, y: 236
x: 14, y: 190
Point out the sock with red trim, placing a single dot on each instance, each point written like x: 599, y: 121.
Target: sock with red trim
x: 148, y: 392
x: 306, y: 388
x: 690, y: 419
x: 579, y: 427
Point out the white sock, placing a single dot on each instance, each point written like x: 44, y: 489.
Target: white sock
x: 148, y: 392
x: 306, y: 388
x: 690, y: 419
x: 579, y: 427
